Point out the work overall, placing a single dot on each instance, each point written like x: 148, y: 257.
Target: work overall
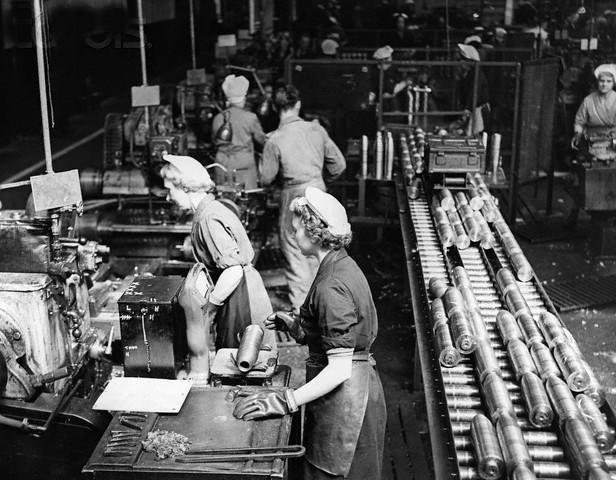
x: 344, y: 429
x: 220, y: 248
x: 238, y: 156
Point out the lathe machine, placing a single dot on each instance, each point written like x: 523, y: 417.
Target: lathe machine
x: 508, y: 392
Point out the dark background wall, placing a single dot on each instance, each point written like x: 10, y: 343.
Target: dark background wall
x: 93, y: 52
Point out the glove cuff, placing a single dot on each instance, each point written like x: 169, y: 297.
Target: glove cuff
x: 291, y: 402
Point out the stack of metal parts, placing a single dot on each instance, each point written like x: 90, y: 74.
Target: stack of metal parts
x: 520, y: 399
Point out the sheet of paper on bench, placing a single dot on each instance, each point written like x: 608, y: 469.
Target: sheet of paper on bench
x: 135, y: 394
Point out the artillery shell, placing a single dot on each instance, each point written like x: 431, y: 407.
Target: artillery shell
x: 448, y: 355
x: 546, y: 366
x: 437, y: 312
x: 529, y: 328
x: 485, y: 360
x: 582, y: 447
x: 461, y: 278
x: 508, y: 327
x: 594, y: 418
x: 571, y: 367
x: 553, y: 331
x: 490, y: 463
x: 478, y: 324
x: 453, y: 300
x: 438, y: 286
x: 462, y: 239
x: 522, y: 267
x: 521, y: 360
x: 595, y: 390
x: 506, y: 281
x: 460, y: 198
x: 540, y: 412
x: 446, y: 199
x: 475, y: 200
x: 512, y: 443
x: 496, y: 397
x: 561, y: 398
x: 470, y: 225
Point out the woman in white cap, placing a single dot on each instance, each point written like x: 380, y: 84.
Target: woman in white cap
x: 345, y: 417
x: 237, y: 155
x: 596, y: 116
x: 219, y: 242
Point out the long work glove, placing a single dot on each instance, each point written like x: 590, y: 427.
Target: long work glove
x: 286, y: 322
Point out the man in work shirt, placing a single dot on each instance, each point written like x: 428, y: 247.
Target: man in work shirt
x: 301, y: 154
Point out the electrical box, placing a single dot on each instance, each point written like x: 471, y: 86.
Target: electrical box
x: 454, y: 154
x: 153, y: 327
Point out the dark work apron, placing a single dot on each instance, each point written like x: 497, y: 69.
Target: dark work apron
x: 335, y: 421
x: 233, y: 317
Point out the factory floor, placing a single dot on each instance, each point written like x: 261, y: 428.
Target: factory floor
x: 382, y: 259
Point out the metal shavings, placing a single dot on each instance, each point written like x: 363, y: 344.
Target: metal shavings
x: 165, y: 444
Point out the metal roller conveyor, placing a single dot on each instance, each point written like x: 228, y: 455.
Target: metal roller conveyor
x: 520, y: 352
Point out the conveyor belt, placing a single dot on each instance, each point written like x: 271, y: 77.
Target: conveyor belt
x: 460, y: 397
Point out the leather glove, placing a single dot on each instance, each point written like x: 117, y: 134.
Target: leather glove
x: 264, y: 404
x: 286, y: 322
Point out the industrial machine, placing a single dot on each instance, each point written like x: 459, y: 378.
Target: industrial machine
x: 508, y: 391
x: 53, y: 363
x: 128, y: 209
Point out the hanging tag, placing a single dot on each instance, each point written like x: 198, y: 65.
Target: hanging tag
x: 593, y: 44
x: 195, y: 76
x: 145, y: 96
x: 56, y: 190
x: 584, y: 44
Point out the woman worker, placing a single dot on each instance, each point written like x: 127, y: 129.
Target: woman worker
x: 238, y: 155
x: 596, y: 116
x: 220, y: 242
x: 595, y: 121
x: 345, y: 407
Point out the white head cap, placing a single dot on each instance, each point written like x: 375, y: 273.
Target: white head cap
x: 329, y: 46
x: 469, y: 52
x: 472, y: 39
x: 235, y: 88
x: 606, y: 68
x: 329, y: 210
x: 190, y: 173
x: 383, y: 53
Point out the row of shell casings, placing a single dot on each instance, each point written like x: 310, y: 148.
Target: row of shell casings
x: 413, y: 166
x: 489, y: 209
x: 514, y: 252
x: 459, y: 219
x: 500, y: 449
x: 586, y: 431
x: 498, y: 400
x: 453, y: 324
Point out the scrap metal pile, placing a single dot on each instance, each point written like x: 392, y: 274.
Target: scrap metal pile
x: 516, y: 398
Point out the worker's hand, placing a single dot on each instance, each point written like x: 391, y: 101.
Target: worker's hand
x: 575, y: 141
x: 263, y: 404
x: 286, y: 322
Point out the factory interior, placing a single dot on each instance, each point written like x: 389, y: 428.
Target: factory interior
x: 318, y: 239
